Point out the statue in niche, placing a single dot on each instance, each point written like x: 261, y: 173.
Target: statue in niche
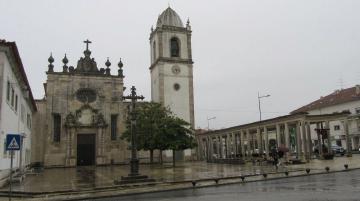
x: 70, y: 120
x: 99, y: 120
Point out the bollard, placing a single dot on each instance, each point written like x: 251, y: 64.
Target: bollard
x: 286, y: 173
x: 193, y: 183
x: 265, y: 175
x: 327, y: 169
x: 242, y: 178
x: 346, y: 166
x: 216, y: 181
x: 307, y: 170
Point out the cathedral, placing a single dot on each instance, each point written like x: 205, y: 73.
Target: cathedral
x: 82, y: 116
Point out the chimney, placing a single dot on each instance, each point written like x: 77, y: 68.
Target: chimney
x: 357, y: 89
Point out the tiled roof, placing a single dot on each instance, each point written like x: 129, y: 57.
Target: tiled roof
x: 337, y: 97
x: 14, y: 51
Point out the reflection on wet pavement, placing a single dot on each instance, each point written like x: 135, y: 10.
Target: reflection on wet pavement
x: 60, y: 179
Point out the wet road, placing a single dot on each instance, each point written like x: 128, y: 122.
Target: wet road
x: 343, y: 186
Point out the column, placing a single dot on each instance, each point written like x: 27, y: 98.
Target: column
x: 266, y: 142
x: 318, y: 126
x: 259, y: 140
x: 304, y: 141
x: 347, y: 137
x: 250, y: 139
x: 287, y: 137
x: 298, y: 140
x: 219, y: 147
x: 287, y: 141
x: 278, y: 135
x: 309, y: 141
x: 327, y: 126
x: 211, y: 148
x: 242, y: 143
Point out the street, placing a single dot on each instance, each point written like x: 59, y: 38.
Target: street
x: 342, y: 186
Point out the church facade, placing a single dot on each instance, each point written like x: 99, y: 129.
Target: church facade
x: 80, y: 120
x: 82, y: 116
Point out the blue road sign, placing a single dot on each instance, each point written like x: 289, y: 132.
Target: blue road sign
x: 13, y: 142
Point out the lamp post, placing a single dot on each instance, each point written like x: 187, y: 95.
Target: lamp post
x: 208, y: 120
x: 261, y: 140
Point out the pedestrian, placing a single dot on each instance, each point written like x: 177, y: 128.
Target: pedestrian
x: 274, y: 154
x: 281, y: 155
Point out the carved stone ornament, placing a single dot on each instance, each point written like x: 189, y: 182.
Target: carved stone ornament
x: 86, y: 116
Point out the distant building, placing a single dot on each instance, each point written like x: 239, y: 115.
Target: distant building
x: 336, y: 102
x: 16, y: 108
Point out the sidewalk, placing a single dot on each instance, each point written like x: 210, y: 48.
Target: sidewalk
x: 87, y: 179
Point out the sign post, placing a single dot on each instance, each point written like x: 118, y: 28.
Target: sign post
x: 12, y: 144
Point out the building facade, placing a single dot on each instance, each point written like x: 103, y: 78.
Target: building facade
x: 81, y: 118
x: 171, y: 67
x: 291, y: 132
x: 16, y: 108
x: 336, y: 102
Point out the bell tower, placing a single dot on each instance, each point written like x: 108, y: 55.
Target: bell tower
x: 171, y: 66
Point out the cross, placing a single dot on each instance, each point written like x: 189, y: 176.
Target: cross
x: 133, y: 97
x: 87, y: 43
x: 134, y: 162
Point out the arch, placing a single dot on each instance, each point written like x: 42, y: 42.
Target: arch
x: 174, y: 47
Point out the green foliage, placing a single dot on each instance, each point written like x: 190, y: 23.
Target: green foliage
x: 158, y: 128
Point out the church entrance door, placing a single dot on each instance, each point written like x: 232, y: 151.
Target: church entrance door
x: 85, y: 149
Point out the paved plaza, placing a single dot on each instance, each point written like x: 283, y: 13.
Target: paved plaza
x: 341, y: 186
x: 89, y: 179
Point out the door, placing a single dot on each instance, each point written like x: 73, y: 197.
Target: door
x: 85, y: 149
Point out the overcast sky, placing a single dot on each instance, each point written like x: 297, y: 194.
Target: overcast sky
x: 294, y: 50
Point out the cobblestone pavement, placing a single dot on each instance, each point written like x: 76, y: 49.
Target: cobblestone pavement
x: 63, y: 179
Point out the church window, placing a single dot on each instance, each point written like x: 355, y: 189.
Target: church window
x: 16, y: 103
x: 8, y: 91
x: 22, y: 113
x: 113, y: 126
x: 28, y: 121
x: 176, y: 86
x: 174, y: 47
x: 154, y: 50
x: 12, y: 97
x: 86, y: 95
x: 57, y: 127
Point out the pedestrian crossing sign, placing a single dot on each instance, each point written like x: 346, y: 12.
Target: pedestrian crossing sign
x: 13, y: 142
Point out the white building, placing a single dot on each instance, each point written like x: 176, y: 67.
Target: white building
x: 338, y: 101
x: 16, y: 108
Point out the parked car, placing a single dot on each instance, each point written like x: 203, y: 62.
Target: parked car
x: 338, y: 149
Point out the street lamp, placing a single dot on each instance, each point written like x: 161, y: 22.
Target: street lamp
x: 259, y: 98
x: 208, y: 120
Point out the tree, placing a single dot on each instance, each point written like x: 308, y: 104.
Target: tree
x: 157, y: 128
x: 177, y: 135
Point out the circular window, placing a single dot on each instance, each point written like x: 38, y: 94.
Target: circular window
x: 176, y: 86
x: 175, y: 70
x: 86, y: 95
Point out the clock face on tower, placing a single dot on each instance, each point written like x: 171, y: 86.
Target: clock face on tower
x: 175, y: 69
